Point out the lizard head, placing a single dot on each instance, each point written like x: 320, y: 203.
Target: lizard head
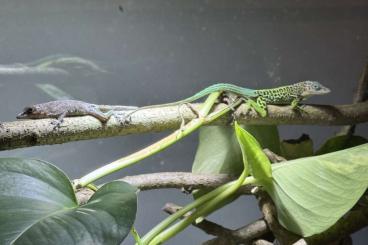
x: 313, y: 88
x: 31, y: 112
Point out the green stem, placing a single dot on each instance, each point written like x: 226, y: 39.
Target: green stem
x: 158, y: 146
x: 202, y: 211
x: 92, y: 187
x: 172, y: 218
x: 165, y: 223
x: 136, y: 236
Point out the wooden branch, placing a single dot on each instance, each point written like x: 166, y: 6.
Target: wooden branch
x: 282, y: 235
x: 26, y: 133
x: 178, y: 180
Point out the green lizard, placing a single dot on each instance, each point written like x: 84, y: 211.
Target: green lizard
x: 257, y: 98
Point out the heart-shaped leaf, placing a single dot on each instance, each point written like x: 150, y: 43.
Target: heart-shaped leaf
x: 38, y: 206
x: 312, y: 193
x: 218, y: 152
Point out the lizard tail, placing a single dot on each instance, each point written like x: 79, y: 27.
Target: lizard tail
x: 218, y: 87
x: 188, y: 100
x: 196, y: 96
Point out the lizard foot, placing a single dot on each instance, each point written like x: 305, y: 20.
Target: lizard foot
x: 187, y: 190
x: 229, y: 99
x: 126, y: 120
x: 299, y: 109
x: 76, y: 184
x: 56, y: 124
x: 182, y: 124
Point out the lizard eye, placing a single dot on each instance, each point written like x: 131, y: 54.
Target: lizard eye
x: 28, y: 110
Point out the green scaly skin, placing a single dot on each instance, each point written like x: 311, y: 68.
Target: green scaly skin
x: 257, y: 99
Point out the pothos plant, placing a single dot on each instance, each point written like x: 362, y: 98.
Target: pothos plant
x: 39, y: 206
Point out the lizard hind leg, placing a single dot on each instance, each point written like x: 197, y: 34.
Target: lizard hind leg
x: 230, y: 100
x: 102, y: 117
x: 192, y: 109
x: 59, y: 120
x: 259, y: 106
x: 182, y: 124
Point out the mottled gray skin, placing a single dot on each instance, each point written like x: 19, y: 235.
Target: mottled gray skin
x: 64, y: 108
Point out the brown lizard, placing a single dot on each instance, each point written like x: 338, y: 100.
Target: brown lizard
x: 68, y: 108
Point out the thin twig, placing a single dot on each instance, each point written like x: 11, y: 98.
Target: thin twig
x: 269, y: 213
x: 361, y: 95
x: 178, y: 180
x: 207, y: 226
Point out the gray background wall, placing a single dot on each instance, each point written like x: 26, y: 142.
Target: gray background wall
x: 161, y: 51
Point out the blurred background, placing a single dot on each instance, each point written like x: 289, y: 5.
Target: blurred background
x: 147, y: 52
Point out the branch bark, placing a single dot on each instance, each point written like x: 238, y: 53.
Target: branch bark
x: 282, y: 235
x: 178, y: 180
x: 26, y: 133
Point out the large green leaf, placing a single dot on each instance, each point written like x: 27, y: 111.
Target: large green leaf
x: 218, y: 151
x: 312, y: 193
x: 38, y: 206
x: 253, y: 156
x: 341, y: 142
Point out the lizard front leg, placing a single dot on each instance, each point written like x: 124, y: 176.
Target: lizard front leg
x: 295, y: 105
x: 229, y: 99
x: 59, y: 120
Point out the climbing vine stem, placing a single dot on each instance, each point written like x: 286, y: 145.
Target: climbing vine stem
x: 159, y: 145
